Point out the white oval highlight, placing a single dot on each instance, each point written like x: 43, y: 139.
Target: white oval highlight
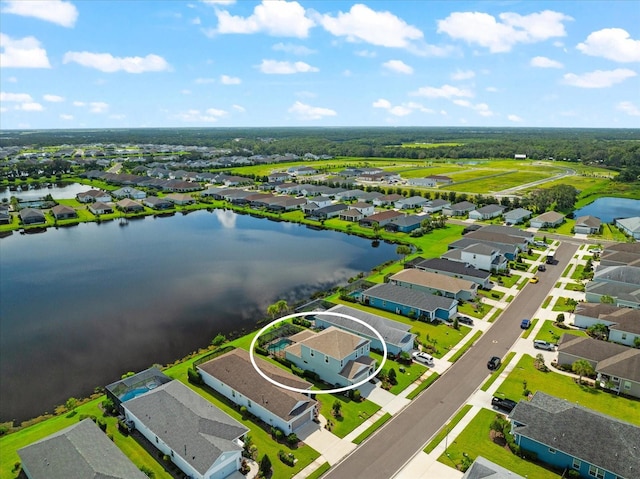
x: 322, y: 391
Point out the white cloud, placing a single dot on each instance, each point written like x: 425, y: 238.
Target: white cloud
x: 55, y: 11
x: 227, y: 80
x: 400, y: 110
x: 305, y: 94
x: 463, y: 75
x: 491, y: 89
x: 514, y: 118
x: 204, y: 81
x: 500, y: 35
x: 211, y: 115
x: 308, y: 112
x: 629, y: 108
x: 219, y: 2
x: 613, y: 44
x: 185, y: 91
x: 239, y: 108
x: 107, y: 63
x: 599, y: 78
x: 53, y: 98
x: 274, y: 67
x: 22, y: 53
x: 15, y: 97
x: 98, y: 107
x: 299, y: 50
x: 79, y: 103
x: 12, y: 80
x: 398, y: 66
x: 30, y: 106
x: 544, y: 62
x: 363, y: 24
x: 196, y: 21
x: 347, y: 73
x: 3, y: 109
x: 480, y: 108
x: 366, y: 53
x: 64, y: 116
x: 282, y: 19
x: 445, y: 91
x: 382, y: 103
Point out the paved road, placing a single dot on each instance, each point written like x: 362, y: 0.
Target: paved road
x: 387, y: 451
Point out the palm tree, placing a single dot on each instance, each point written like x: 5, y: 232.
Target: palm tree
x: 582, y: 367
x: 403, y: 250
x: 277, y: 308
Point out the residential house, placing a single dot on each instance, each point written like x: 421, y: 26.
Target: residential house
x: 621, y: 254
x: 5, y: 216
x: 337, y: 356
x: 405, y: 223
x: 623, y: 323
x: 157, y: 203
x: 365, y: 208
x: 288, y: 188
x: 509, y: 231
x: 63, y: 212
x: 550, y: 219
x: 386, y: 200
x: 302, y: 171
x: 369, y: 196
x: 482, y: 468
x: 409, y: 302
x: 622, y: 275
x: 424, y: 182
x: 92, y: 196
x: 285, y: 203
x: 31, y: 216
x: 99, y: 208
x: 233, y: 375
x: 330, y: 211
x: 624, y: 295
x: 351, y: 215
x: 569, y: 436
x: 617, y: 366
x: 454, y: 269
x: 129, y: 206
x: 181, y: 199
x: 512, y: 244
x: 278, y: 176
x: 436, y: 205
x: 441, y: 179
x: 381, y: 219
x: 433, y: 283
x: 347, y: 195
x: 459, y: 209
x: 587, y: 225
x: 630, y: 226
x: 516, y: 216
x: 411, y: 202
x: 486, y: 212
x: 135, y: 385
x: 479, y: 255
x: 396, y: 335
x: 202, y: 440
x: 129, y: 192
x: 81, y: 450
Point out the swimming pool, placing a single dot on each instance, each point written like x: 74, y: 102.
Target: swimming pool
x: 279, y: 344
x: 133, y: 393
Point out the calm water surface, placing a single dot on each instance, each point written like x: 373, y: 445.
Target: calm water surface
x: 607, y: 209
x: 82, y: 305
x: 58, y: 190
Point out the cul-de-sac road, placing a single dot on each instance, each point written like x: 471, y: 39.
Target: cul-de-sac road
x: 387, y: 451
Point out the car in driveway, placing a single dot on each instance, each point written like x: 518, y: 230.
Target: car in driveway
x: 423, y: 358
x: 494, y: 363
x: 525, y: 323
x: 503, y: 403
x: 465, y: 320
x: 540, y: 344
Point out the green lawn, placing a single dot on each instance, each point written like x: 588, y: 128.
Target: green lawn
x: 551, y: 333
x: 506, y: 281
x: 475, y: 441
x: 496, y: 374
x: 373, y: 428
x: 442, y: 433
x: 353, y: 413
x: 496, y: 295
x: 469, y: 309
x: 546, y: 301
x: 527, y: 332
x: 320, y: 471
x: 566, y: 388
x: 411, y: 372
x: 423, y: 385
x: 574, y: 287
x: 563, y: 305
x: 458, y: 354
x: 498, y: 311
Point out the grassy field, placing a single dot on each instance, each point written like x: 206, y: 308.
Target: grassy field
x: 411, y: 372
x: 565, y: 387
x: 353, y: 413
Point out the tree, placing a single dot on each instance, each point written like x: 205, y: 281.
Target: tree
x: 71, y: 404
x: 392, y: 376
x: 606, y: 299
x: 582, y: 367
x: 218, y: 340
x: 636, y: 342
x: 403, y: 250
x: 337, y: 408
x: 598, y: 331
x: 277, y: 308
x: 265, y: 466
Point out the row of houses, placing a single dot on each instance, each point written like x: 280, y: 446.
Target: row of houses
x: 617, y: 276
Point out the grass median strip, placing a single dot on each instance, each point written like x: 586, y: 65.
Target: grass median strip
x: 446, y: 429
x: 496, y: 374
x: 423, y: 385
x: 320, y: 471
x: 458, y: 354
x: 371, y: 429
x: 527, y: 331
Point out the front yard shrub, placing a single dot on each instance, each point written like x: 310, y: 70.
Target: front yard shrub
x: 356, y: 396
x: 288, y: 458
x: 292, y: 439
x: 302, y: 322
x: 297, y: 371
x: 261, y: 351
x: 311, y: 375
x: 193, y: 375
x: 277, y: 433
x: 244, y: 411
x: 219, y: 340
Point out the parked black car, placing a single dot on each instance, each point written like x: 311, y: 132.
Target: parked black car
x: 465, y: 320
x: 503, y: 403
x: 494, y: 363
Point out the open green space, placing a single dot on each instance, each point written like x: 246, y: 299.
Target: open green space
x: 446, y: 429
x: 352, y: 413
x: 472, y: 309
x: 475, y: 441
x: 564, y: 305
x: 373, y: 428
x: 506, y: 280
x: 551, y: 333
x: 566, y: 387
x: 406, y: 374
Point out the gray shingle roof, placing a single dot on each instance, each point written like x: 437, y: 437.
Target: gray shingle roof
x: 184, y: 420
x: 452, y: 267
x: 590, y: 436
x: 81, y: 451
x: 623, y: 292
x: 508, y: 230
x: 622, y: 274
x: 485, y: 469
x: 408, y: 220
x: 516, y: 214
x: 393, y: 332
x: 489, y: 209
x: 409, y: 297
x: 236, y: 371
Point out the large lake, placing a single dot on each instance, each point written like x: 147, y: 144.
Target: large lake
x: 82, y: 305
x: 607, y: 209
x: 58, y: 190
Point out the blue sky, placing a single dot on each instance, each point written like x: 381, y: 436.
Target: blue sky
x: 121, y: 64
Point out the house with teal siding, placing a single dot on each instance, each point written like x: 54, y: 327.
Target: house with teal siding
x: 568, y: 437
x: 339, y: 357
x: 409, y: 302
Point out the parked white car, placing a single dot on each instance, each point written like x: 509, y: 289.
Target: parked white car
x: 423, y: 358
